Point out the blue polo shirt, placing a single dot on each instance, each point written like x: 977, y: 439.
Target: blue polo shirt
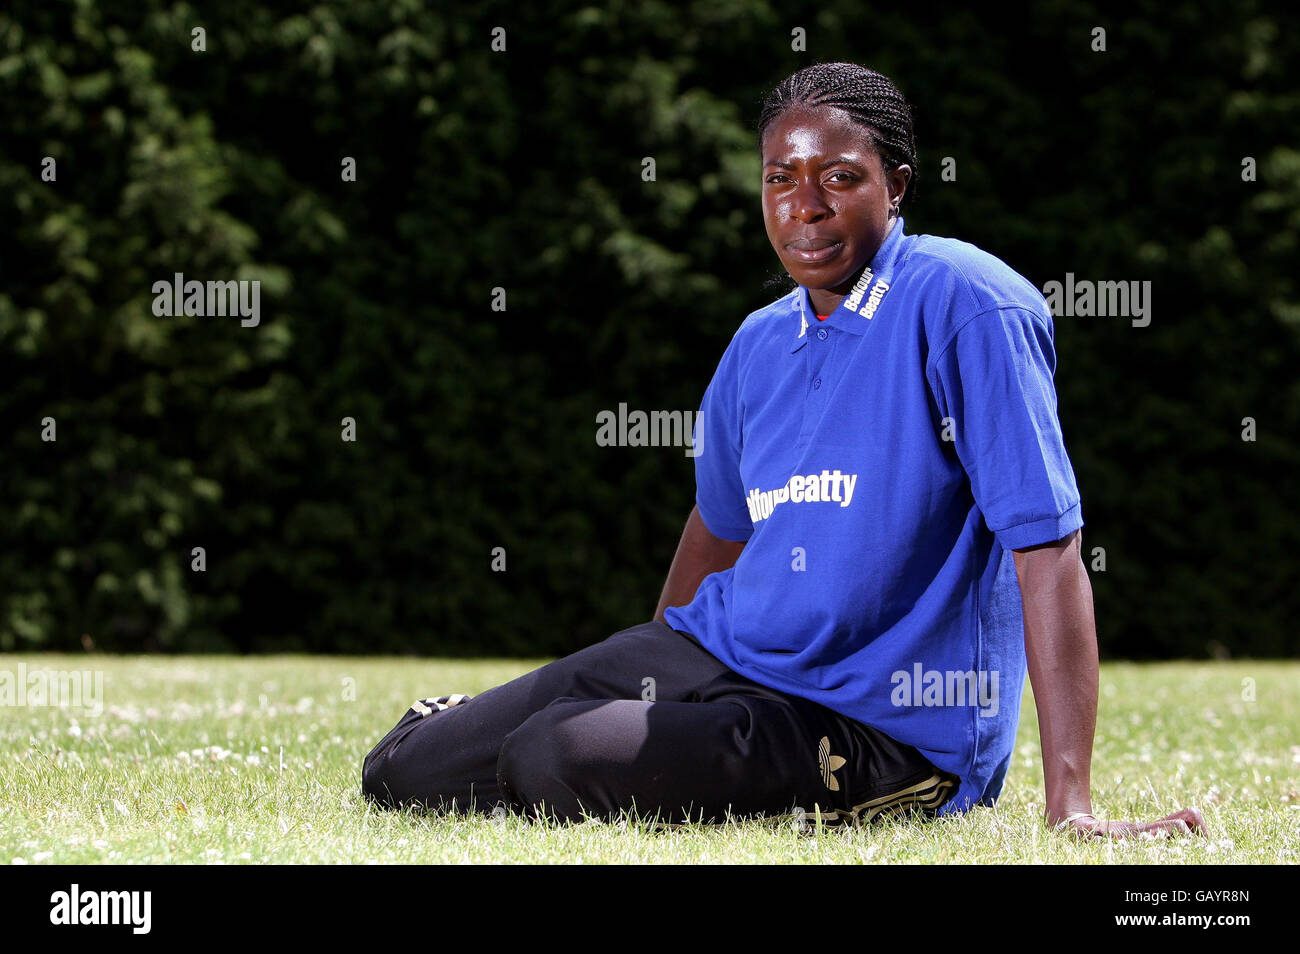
x: 881, y: 466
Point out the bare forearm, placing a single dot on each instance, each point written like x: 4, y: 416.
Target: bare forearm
x: 1061, y: 648
x: 699, y: 553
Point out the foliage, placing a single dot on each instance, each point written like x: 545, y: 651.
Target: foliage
x: 521, y: 170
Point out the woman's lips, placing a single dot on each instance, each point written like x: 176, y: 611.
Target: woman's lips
x: 811, y: 256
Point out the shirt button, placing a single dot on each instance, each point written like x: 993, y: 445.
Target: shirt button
x: 817, y: 382
x: 821, y: 333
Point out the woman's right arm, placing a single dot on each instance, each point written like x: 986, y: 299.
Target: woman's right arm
x: 698, y: 554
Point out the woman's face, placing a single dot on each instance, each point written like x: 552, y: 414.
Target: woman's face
x: 826, y: 198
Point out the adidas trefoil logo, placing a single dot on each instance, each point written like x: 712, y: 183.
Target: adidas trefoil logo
x: 829, y: 763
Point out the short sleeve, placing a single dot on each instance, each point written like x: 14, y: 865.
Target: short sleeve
x: 993, y: 380
x: 719, y: 492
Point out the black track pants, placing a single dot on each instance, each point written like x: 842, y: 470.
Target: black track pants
x: 648, y: 721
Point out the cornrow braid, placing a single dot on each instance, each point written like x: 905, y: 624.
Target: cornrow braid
x: 869, y: 98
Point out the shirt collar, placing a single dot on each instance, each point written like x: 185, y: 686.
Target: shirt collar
x: 882, y: 267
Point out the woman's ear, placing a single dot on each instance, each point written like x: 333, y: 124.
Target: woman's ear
x: 898, y: 180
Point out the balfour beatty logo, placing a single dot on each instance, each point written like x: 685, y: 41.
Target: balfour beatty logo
x: 877, y: 294
x: 811, y: 488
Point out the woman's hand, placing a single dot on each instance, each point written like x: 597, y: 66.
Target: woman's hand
x: 1185, y: 821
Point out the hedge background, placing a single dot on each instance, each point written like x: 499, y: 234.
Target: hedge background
x: 522, y: 169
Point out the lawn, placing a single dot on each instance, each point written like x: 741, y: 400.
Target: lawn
x: 257, y: 760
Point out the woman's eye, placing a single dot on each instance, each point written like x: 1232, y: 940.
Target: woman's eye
x: 779, y: 176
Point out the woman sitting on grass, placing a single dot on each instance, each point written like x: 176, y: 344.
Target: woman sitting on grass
x: 886, y: 539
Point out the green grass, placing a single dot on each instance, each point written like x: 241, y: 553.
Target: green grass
x: 255, y: 760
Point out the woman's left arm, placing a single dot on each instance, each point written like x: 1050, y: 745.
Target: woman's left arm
x: 1061, y: 647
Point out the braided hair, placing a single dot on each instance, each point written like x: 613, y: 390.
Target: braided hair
x: 869, y: 98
